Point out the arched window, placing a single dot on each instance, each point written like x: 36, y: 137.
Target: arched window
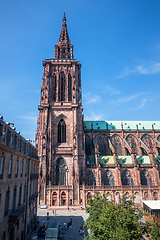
x: 102, y: 146
x: 155, y: 196
x: 88, y: 145
x: 89, y: 195
x: 91, y: 178
x: 137, y: 198
x: 146, y: 139
x: 63, y: 198
x: 61, y: 131
x: 145, y: 196
x: 107, y: 178
x: 127, y: 153
x: 126, y: 178
x: 108, y: 197
x: 69, y: 88
x: 54, y: 199
x: 61, y: 93
x: 117, y: 198
x: 158, y: 138
x: 131, y: 140
x: 117, y: 141
x: 144, y: 153
x: 145, y: 178
x: 54, y: 87
x: 63, y: 52
x: 61, y: 170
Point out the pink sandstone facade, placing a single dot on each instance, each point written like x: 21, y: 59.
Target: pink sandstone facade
x: 78, y: 157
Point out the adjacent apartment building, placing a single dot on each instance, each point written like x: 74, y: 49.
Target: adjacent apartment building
x: 18, y: 184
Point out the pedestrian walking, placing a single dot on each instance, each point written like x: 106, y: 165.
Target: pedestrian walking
x: 68, y: 224
x: 64, y: 224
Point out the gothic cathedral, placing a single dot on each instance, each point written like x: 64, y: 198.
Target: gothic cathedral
x: 79, y: 157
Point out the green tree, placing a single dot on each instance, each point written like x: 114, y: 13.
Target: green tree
x: 109, y: 221
x: 153, y: 228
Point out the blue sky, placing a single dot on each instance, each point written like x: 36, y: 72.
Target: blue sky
x: 117, y: 43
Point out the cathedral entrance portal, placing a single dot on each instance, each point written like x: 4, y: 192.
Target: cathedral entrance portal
x: 54, y: 199
x: 63, y: 198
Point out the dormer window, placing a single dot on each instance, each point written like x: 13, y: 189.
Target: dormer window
x: 4, y: 134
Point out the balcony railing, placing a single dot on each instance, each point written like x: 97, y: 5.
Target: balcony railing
x: 16, y: 213
x: 119, y: 188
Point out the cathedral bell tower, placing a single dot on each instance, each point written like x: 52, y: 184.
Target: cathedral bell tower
x: 60, y: 137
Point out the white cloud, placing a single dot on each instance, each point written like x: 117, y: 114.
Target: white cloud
x: 129, y: 98
x: 148, y: 70
x: 29, y: 119
x: 113, y: 91
x: 91, y: 98
x: 143, y: 103
x: 93, y: 117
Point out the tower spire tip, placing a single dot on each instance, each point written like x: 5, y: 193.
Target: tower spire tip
x: 64, y: 17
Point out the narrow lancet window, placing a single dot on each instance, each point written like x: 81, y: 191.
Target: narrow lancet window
x: 61, y: 131
x: 61, y: 95
x: 54, y: 87
x: 69, y: 88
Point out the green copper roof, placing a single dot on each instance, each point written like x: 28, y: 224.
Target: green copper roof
x: 142, y: 125
x: 125, y: 160
x: 104, y: 160
x: 143, y: 160
x: 157, y: 159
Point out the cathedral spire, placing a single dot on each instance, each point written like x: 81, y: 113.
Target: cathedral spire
x: 64, y: 18
x: 64, y: 49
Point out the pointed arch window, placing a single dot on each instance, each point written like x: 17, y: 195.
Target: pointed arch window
x: 88, y: 145
x: 102, y: 146
x: 145, y: 178
x: 146, y: 139
x: 61, y: 95
x: 69, y: 88
x: 61, y: 131
x: 116, y: 142
x: 61, y: 172
x: 127, y: 153
x: 131, y: 140
x: 108, y: 178
x: 126, y: 178
x: 144, y: 153
x: 54, y: 87
x: 91, y: 178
